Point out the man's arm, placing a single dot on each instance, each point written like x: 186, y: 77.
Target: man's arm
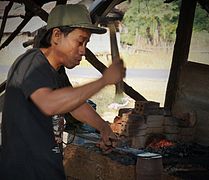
x: 86, y: 114
x: 67, y: 99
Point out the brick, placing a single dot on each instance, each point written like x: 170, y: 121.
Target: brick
x: 138, y: 141
x: 171, y: 129
x: 172, y: 137
x: 169, y: 121
x: 155, y: 130
x: 124, y: 110
x: 155, y: 120
x: 146, y: 107
x: 82, y: 163
x: 187, y: 131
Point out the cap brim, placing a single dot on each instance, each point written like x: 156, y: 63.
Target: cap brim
x: 91, y: 28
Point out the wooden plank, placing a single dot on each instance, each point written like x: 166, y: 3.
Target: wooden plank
x: 181, y: 49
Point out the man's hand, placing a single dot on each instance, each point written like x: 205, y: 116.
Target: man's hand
x: 108, y: 139
x: 115, y: 73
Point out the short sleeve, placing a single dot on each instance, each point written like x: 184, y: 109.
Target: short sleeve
x: 38, y: 75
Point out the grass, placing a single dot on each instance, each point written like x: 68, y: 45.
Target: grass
x: 157, y: 59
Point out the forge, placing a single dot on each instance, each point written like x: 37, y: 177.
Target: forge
x: 152, y: 143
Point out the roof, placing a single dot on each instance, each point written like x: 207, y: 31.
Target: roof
x: 17, y: 12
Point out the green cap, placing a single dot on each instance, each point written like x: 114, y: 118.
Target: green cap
x: 72, y: 15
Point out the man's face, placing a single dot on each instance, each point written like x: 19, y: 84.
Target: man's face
x: 72, y: 47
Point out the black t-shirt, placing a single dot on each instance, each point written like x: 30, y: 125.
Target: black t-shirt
x: 29, y: 150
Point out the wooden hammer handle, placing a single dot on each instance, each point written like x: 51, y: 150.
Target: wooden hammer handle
x: 115, y: 54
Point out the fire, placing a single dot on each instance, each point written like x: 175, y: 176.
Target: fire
x: 160, y: 143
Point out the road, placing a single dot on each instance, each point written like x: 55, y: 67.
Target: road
x: 91, y: 72
x: 130, y: 73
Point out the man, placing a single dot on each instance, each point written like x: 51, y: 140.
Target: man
x: 37, y: 97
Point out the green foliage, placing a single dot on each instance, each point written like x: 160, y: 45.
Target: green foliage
x: 127, y: 38
x: 143, y: 14
x: 201, y: 21
x: 159, y: 17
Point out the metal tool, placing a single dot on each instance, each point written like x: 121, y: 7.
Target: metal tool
x: 94, y: 138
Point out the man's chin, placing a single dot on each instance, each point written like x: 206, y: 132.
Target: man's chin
x: 72, y: 66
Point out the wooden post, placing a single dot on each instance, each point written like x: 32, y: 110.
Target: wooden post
x: 181, y: 49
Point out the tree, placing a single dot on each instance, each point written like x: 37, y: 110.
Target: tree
x: 201, y: 21
x: 145, y: 17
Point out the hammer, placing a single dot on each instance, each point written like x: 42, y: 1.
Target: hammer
x: 115, y: 55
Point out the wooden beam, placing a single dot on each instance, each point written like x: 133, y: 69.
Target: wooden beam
x: 101, y: 8
x: 61, y: 2
x: 91, y: 58
x: 36, y: 9
x: 181, y: 49
x: 6, y: 12
x: 2, y: 86
x: 27, y: 18
x: 204, y: 4
x: 31, y: 9
x: 13, y: 16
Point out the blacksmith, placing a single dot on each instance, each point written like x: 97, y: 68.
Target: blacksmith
x: 38, y: 95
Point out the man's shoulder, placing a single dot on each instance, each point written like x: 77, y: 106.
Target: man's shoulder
x: 23, y: 62
x: 29, y: 55
x: 29, y: 52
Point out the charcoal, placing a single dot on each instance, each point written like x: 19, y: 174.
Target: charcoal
x: 185, y: 160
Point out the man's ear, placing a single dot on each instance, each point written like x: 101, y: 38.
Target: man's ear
x: 56, y: 35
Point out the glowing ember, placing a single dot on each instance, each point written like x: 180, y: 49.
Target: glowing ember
x: 160, y: 143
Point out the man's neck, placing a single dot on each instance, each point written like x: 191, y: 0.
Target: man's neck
x: 52, y: 59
